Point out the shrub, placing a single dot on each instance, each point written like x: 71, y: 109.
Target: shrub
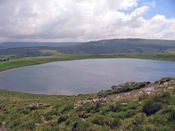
x: 90, y: 107
x: 65, y: 108
x: 151, y: 107
x: 29, y: 125
x: 163, y: 97
x: 114, y: 108
x: 130, y: 113
x: 149, y: 127
x: 156, y: 103
x: 105, y: 93
x: 37, y: 117
x: 48, y: 115
x: 99, y: 120
x: 170, y: 111
x: 124, y: 114
x: 129, y: 86
x: 105, y: 121
x: 62, y: 119
x: 24, y: 111
x: 55, y: 110
x: 80, y: 126
x: 135, y: 123
x: 116, y: 123
x: 163, y: 80
x: 76, y: 124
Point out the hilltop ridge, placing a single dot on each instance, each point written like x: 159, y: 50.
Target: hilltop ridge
x: 106, y: 46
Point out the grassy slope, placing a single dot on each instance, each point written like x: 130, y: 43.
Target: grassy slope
x: 59, y: 113
x: 62, y: 57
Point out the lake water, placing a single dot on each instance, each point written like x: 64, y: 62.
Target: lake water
x: 83, y: 76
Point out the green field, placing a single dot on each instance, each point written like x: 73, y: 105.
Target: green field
x: 63, y: 57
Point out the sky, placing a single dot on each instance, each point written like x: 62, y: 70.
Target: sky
x: 86, y: 20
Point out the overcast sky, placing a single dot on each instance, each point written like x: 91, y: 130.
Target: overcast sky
x: 84, y: 20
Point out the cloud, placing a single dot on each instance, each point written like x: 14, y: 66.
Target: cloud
x: 80, y: 20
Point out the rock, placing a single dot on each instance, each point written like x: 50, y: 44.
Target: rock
x: 148, y: 93
x: 166, y: 84
x: 170, y: 88
x: 62, y: 119
x: 123, y: 104
x: 2, y: 109
x: 84, y: 114
x: 75, y: 127
x: 35, y: 106
x: 163, y: 80
x: 161, y: 86
x: 37, y: 124
x: 149, y: 89
x: 3, y: 123
x: 140, y: 92
x: 113, y: 87
x: 98, y: 101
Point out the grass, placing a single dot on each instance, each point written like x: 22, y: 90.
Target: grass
x: 58, y: 113
x: 63, y: 57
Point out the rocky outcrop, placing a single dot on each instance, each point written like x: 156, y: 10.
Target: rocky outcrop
x: 126, y: 87
x: 35, y: 106
x: 131, y: 91
x: 98, y: 101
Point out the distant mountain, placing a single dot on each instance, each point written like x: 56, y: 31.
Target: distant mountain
x: 7, y: 45
x: 121, y: 46
x: 93, y: 47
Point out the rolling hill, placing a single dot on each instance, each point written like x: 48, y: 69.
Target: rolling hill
x: 111, y: 46
x: 121, y: 46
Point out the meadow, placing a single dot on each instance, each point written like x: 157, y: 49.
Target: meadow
x: 26, y: 61
x: 150, y: 112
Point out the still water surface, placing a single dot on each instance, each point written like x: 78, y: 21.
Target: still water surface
x: 83, y: 76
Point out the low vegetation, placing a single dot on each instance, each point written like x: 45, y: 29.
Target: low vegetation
x: 152, y: 111
x: 126, y: 87
x: 20, y: 62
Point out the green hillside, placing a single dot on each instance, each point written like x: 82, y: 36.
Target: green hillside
x: 111, y: 46
x: 148, y: 107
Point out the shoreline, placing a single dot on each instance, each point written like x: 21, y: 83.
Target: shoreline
x: 29, y: 61
x: 76, y: 95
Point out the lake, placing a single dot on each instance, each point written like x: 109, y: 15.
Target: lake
x: 83, y: 76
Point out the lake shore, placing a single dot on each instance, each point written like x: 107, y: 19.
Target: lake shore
x: 21, y: 62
